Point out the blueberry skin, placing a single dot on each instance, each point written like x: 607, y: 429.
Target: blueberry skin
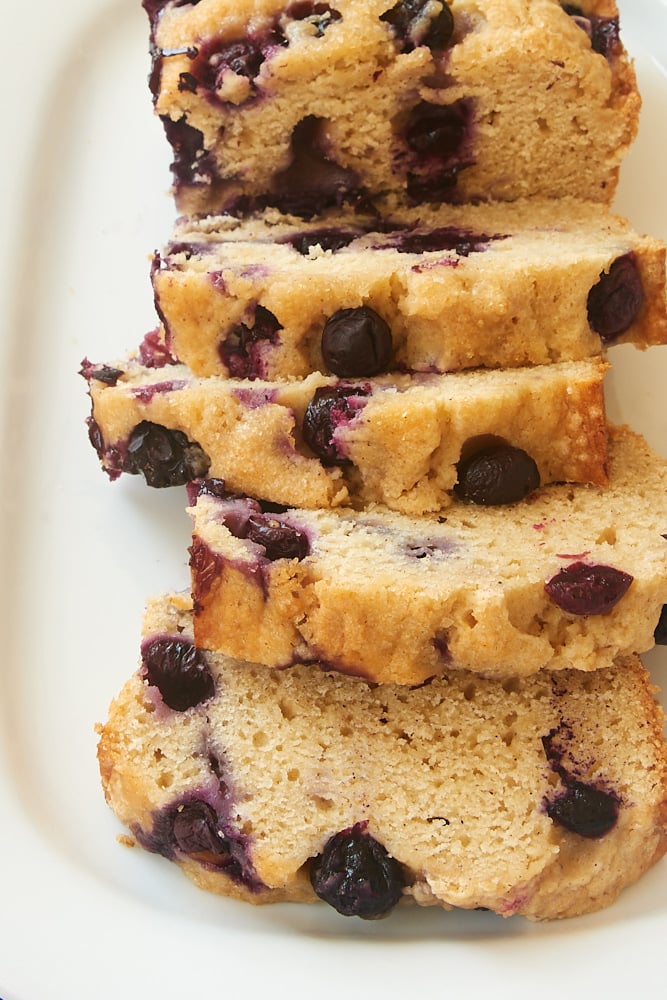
x: 660, y: 634
x: 585, y: 810
x: 179, y: 671
x: 616, y: 300
x: 164, y: 457
x: 580, y: 589
x: 497, y: 476
x: 356, y: 876
x: 356, y: 343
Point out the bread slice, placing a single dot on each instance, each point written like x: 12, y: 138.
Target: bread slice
x: 569, y: 578
x: 323, y: 441
x: 543, y: 796
x: 304, y: 105
x: 504, y: 285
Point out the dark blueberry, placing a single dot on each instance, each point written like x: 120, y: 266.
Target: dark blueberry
x: 356, y: 343
x: 164, y: 457
x: 614, y: 302
x: 95, y: 437
x: 660, y: 634
x: 327, y: 239
x: 584, y: 809
x: 187, y: 83
x: 414, y: 25
x: 462, y: 242
x: 320, y: 15
x: 280, y: 540
x: 439, y: 136
x: 240, y: 350
x: 313, y: 181
x: 206, y: 568
x: 602, y: 31
x: 580, y: 589
x: 497, y: 475
x: 216, y: 56
x: 101, y: 373
x: 355, y: 874
x: 330, y: 407
x: 178, y: 670
x: 207, y: 487
x: 195, y: 829
x: 437, y: 130
x: 192, y: 163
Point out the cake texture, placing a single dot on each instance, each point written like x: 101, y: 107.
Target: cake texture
x: 571, y: 577
x: 403, y: 441
x: 308, y: 105
x: 544, y: 796
x: 424, y: 289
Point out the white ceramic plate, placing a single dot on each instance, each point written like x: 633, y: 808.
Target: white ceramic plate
x: 84, y: 196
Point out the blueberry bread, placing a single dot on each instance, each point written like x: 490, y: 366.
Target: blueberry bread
x: 428, y: 289
x: 544, y: 796
x: 570, y: 577
x: 308, y: 105
x: 323, y: 441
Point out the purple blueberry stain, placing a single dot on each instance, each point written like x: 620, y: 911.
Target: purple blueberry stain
x: 154, y: 352
x: 461, y: 241
x: 164, y: 457
x: 241, y: 351
x: 428, y: 548
x: 583, y: 589
x: 357, y: 343
x: 331, y: 408
x: 496, y: 476
x: 178, y: 670
x: 615, y: 301
x: 356, y: 876
x: 418, y: 22
x: 146, y: 393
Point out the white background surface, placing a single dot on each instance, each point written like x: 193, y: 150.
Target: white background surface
x: 84, y: 202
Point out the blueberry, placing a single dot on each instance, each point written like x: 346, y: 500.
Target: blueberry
x: 178, y: 670
x: 497, y: 475
x: 154, y: 352
x: 584, y: 809
x: 100, y: 373
x: 164, y: 457
x: 192, y: 163
x: 355, y: 874
x: 614, y: 302
x: 326, y: 238
x: 195, y: 829
x: 356, y: 343
x: 437, y: 130
x: 462, y: 242
x: 413, y: 25
x: 580, y: 589
x: 280, y: 540
x: 330, y: 407
x: 313, y: 182
x: 240, y: 350
x: 660, y: 634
